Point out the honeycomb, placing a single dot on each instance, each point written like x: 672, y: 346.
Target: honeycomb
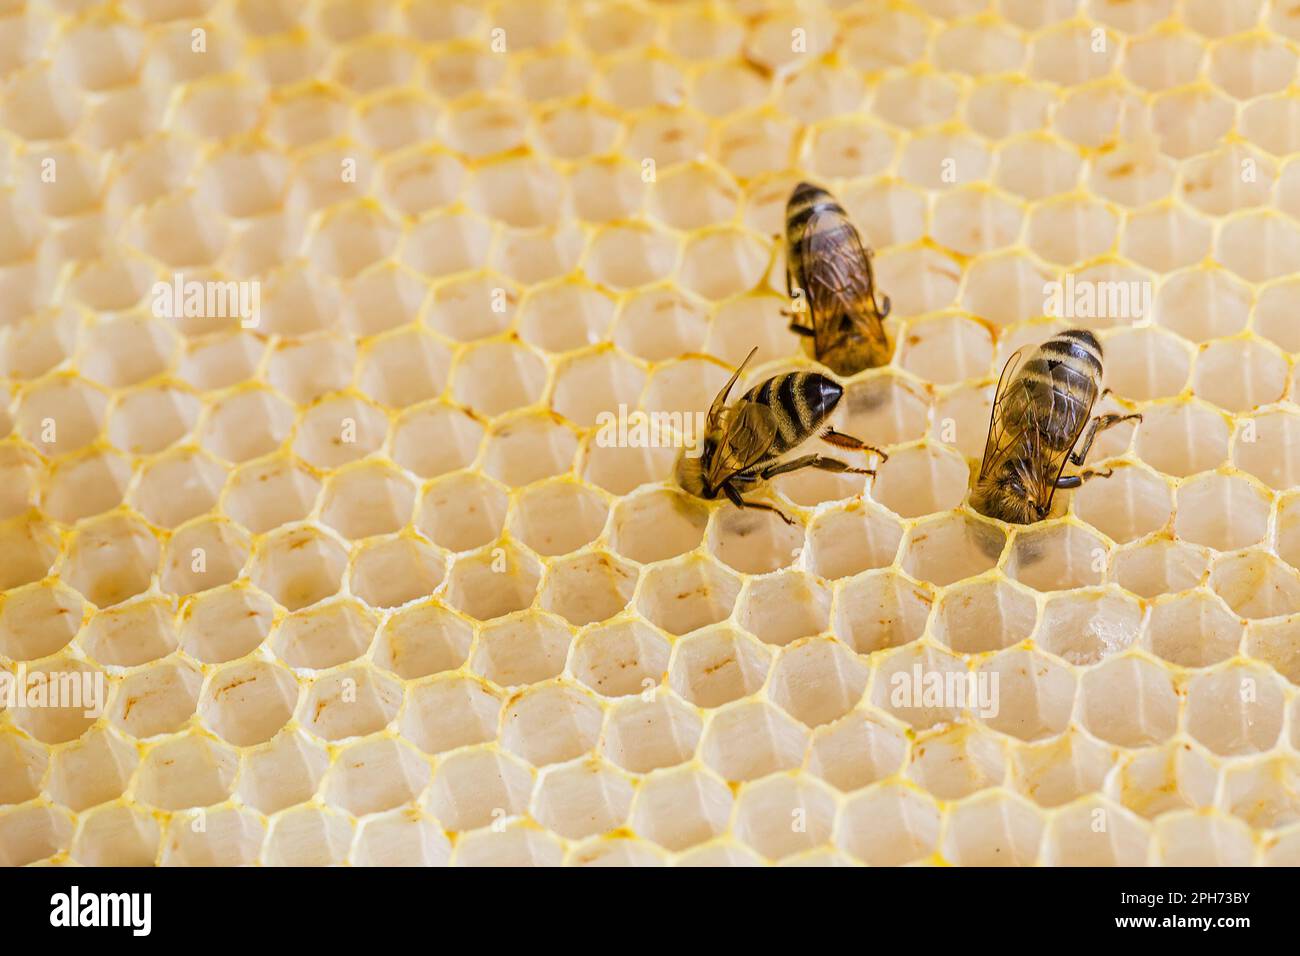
x: 342, y: 550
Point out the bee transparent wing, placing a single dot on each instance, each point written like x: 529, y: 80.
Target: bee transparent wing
x: 837, y: 271
x: 751, y: 429
x: 1002, y: 431
x: 1058, y: 412
x: 714, y: 420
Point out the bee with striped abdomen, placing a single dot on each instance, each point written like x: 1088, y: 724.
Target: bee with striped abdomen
x: 827, y: 265
x: 743, y: 442
x: 1041, y: 407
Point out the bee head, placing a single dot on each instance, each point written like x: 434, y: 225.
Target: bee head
x: 689, y: 473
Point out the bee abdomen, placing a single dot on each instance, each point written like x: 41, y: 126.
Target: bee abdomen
x: 1065, y: 373
x: 806, y: 200
x: 800, y: 401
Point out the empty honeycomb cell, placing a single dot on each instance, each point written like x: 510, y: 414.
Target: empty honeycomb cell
x: 1223, y: 512
x: 1235, y: 709
x: 716, y: 666
x: 339, y: 430
x: 1166, y: 238
x: 285, y: 772
x: 1072, y: 837
x: 529, y: 448
x: 448, y: 713
x: 349, y: 787
x: 203, y: 554
x: 591, y: 385
x: 952, y: 764
x: 220, y: 360
x: 1058, y: 557
x: 1263, y: 448
x: 430, y: 440
x: 1087, y: 627
x: 817, y: 681
x: 393, y: 571
x: 683, y: 596
x: 226, y: 837
x: 1035, y: 694
x: 249, y: 703
x: 588, y: 588
x: 350, y: 703
x: 522, y: 650
x: 880, y: 609
x: 151, y: 419
x: 993, y: 830
x: 111, y: 559
x: 858, y: 537
x: 620, y: 659
x: 495, y: 377
x: 299, y: 566
x: 921, y: 480
x: 367, y: 500
x: 1168, y: 779
x: 642, y: 735
x: 1261, y: 795
x: 186, y: 771
x: 888, y: 825
x: 92, y: 770
x: 117, y: 836
x: 38, y: 621
x: 753, y: 542
x: 178, y: 486
x: 155, y: 701
x: 513, y: 846
x: 1186, y: 839
x: 492, y: 583
x: 951, y: 548
x: 1239, y: 376
x: 1183, y: 438
x: 550, y: 724
x: 414, y: 642
x: 984, y: 616
x: 1131, y: 504
x: 1256, y: 585
x: 399, y: 838
x: 215, y: 626
x: 61, y: 415
x: 1194, y: 630
x: 899, y: 686
x: 1056, y: 772
x: 785, y: 607
x: 782, y: 817
x: 682, y: 808
x: 31, y: 834
x: 558, y: 517
x: 307, y: 837
x: 582, y: 800
x: 1274, y: 643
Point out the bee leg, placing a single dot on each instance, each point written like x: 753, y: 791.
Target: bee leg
x: 831, y: 436
x: 1074, y: 481
x: 812, y: 461
x: 798, y: 329
x: 734, y: 497
x: 1098, y: 424
x: 885, y: 307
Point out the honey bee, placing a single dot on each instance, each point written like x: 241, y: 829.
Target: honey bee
x: 743, y: 442
x: 826, y: 260
x: 1039, y: 411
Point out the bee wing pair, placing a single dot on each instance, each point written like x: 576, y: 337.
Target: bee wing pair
x: 1017, y: 418
x: 841, y: 284
x: 748, y: 431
